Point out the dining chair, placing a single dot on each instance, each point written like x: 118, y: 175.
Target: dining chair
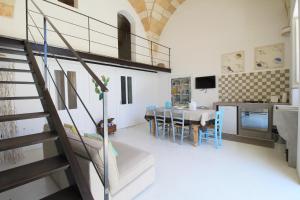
x: 163, y: 120
x: 168, y: 105
x: 215, y: 133
x: 150, y: 109
x: 180, y: 125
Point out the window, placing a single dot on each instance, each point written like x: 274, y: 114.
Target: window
x: 296, y: 43
x: 72, y: 98
x: 129, y: 89
x: 124, y: 38
x: 126, y: 90
x: 123, y: 90
x: 61, y: 93
x: 72, y: 3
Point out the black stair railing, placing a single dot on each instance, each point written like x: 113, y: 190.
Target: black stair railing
x: 47, y: 72
x: 147, y: 51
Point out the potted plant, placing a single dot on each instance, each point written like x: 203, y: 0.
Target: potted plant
x: 98, y: 90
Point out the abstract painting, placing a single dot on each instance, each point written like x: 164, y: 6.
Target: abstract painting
x: 233, y: 62
x: 268, y: 57
x: 7, y: 8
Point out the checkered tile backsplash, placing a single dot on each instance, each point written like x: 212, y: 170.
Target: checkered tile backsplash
x: 254, y: 86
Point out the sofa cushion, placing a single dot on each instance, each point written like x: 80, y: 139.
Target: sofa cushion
x: 96, y: 151
x: 96, y: 136
x: 70, y: 128
x: 132, y: 162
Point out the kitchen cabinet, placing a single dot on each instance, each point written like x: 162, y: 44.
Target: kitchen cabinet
x: 230, y: 119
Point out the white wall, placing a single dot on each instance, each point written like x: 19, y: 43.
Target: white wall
x: 200, y: 31
x: 104, y: 10
x: 294, y: 55
x: 146, y: 86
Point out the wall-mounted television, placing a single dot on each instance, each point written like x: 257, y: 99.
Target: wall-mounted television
x: 205, y: 82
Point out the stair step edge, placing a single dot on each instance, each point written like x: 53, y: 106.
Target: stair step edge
x: 22, y: 141
x: 15, y: 70
x: 20, y: 98
x: 69, y: 193
x: 21, y: 175
x: 17, y: 82
x: 24, y: 116
x: 13, y: 60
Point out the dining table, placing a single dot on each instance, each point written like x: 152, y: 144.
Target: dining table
x: 197, y: 118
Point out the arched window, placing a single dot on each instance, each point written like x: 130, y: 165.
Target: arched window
x: 124, y: 37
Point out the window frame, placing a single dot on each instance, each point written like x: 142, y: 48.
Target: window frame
x: 72, y: 96
x: 126, y: 90
x: 61, y: 92
x: 123, y: 90
x: 296, y: 45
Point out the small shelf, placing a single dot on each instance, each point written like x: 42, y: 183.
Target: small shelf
x: 181, y: 91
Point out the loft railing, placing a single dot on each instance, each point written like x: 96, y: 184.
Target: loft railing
x: 99, y: 37
x: 32, y: 24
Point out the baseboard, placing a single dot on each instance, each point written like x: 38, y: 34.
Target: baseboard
x: 249, y: 140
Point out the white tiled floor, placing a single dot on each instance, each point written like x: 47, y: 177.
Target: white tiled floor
x: 235, y: 172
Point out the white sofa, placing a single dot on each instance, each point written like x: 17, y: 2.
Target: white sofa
x: 130, y: 173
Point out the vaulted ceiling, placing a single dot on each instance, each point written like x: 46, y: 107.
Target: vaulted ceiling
x: 155, y: 14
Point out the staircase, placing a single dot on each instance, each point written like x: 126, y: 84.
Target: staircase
x: 65, y: 160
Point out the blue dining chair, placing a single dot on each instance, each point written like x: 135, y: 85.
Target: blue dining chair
x: 215, y: 133
x: 168, y: 105
x: 150, y: 109
x: 180, y: 125
x: 164, y: 122
x: 160, y: 121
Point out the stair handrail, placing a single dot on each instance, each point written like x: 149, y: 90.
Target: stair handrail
x: 100, y: 21
x: 56, y: 122
x: 97, y: 80
x: 153, y: 59
x: 88, y: 69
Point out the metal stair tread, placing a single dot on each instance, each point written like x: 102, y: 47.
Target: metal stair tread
x: 27, y: 173
x: 22, y: 141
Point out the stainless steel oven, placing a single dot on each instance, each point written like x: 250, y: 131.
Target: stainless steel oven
x: 255, y: 120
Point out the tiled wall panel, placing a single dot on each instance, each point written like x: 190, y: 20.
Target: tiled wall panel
x: 253, y: 86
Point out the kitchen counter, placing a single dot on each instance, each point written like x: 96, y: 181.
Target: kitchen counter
x: 248, y: 122
x: 244, y: 103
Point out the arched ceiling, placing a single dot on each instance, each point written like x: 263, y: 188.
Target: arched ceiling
x: 155, y: 14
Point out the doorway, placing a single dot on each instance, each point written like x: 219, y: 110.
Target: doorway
x: 124, y: 38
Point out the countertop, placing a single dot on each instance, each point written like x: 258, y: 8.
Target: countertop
x: 245, y: 103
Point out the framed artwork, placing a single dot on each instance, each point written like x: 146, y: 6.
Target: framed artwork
x: 269, y: 57
x: 233, y: 62
x: 7, y: 8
